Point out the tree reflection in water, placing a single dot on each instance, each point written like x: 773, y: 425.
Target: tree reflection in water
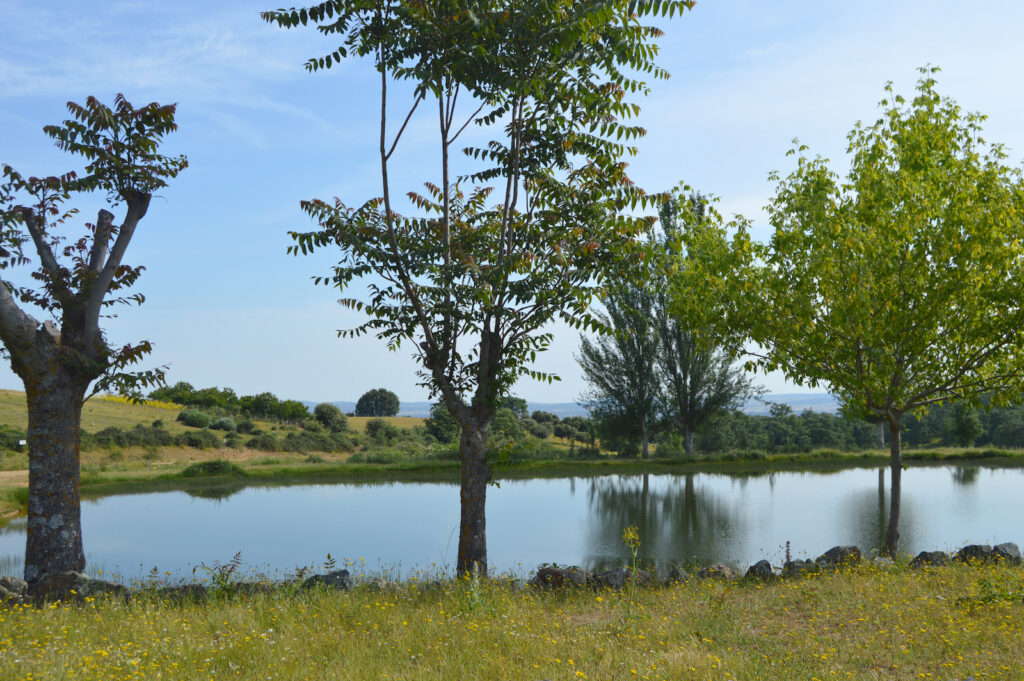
x: 679, y: 522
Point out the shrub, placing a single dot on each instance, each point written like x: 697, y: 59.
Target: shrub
x: 199, y: 439
x: 313, y: 426
x: 195, y: 418
x: 233, y: 440
x: 223, y: 423
x: 246, y: 426
x: 265, y: 442
x: 215, y: 467
x: 441, y: 425
x: 159, y: 423
x: 382, y: 431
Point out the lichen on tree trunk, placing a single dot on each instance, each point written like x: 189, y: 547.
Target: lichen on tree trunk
x: 54, y: 537
x: 476, y: 473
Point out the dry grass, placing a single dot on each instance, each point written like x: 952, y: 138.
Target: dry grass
x: 867, y: 623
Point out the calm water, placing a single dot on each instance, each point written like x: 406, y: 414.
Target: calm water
x: 697, y: 518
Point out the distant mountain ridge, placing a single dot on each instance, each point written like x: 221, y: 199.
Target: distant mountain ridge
x: 799, y: 402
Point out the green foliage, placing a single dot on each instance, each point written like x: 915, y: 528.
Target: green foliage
x: 195, y: 418
x: 264, y: 442
x: 377, y: 402
x: 899, y: 286
x: 381, y: 430
x: 199, y: 439
x: 213, y: 467
x: 441, y: 425
x: 330, y: 417
x: 245, y: 426
x: 10, y: 437
x: 223, y: 423
x: 139, y: 436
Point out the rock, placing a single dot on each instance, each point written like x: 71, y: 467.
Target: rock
x: 335, y: 579
x: 930, y: 558
x: 793, y: 568
x: 14, y: 585
x: 73, y: 586
x: 974, y: 553
x: 716, y: 572
x: 1007, y: 551
x: 612, y: 579
x: 883, y: 561
x: 839, y: 555
x: 553, y: 577
x: 677, y: 575
x: 184, y: 593
x: 762, y: 569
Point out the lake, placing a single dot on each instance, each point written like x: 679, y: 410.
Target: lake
x: 400, y: 527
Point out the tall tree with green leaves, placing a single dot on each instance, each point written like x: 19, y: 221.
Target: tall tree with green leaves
x: 699, y: 376
x: 622, y: 367
x: 900, y: 286
x: 76, y: 280
x: 472, y: 282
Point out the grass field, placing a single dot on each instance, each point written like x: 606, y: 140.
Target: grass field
x: 865, y: 623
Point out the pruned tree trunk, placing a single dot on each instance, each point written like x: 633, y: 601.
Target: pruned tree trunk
x: 54, y: 538
x: 892, y: 535
x: 473, y: 493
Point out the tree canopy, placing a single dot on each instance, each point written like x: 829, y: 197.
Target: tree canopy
x: 898, y: 287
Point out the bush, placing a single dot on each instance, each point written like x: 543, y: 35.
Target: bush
x: 265, y: 442
x: 195, y: 418
x: 382, y: 431
x: 313, y: 426
x: 216, y: 467
x: 330, y: 417
x: 139, y: 436
x: 199, y: 439
x: 233, y: 440
x: 441, y: 425
x: 246, y: 426
x: 223, y: 423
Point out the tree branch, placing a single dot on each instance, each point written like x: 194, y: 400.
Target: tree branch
x: 17, y: 329
x: 36, y: 225
x: 98, y: 255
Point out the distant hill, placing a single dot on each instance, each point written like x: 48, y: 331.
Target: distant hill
x: 798, y: 401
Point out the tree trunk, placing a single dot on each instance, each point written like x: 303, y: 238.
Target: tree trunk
x: 688, y: 439
x: 645, y: 446
x: 881, y: 435
x: 54, y: 538
x: 892, y: 535
x: 475, y: 476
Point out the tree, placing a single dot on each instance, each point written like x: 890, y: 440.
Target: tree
x: 699, y: 377
x: 59, y: 359
x: 441, y: 425
x: 899, y: 287
x: 472, y: 286
x: 378, y: 402
x: 330, y: 417
x: 621, y: 368
x: 964, y: 425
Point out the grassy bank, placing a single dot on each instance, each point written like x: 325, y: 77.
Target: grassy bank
x: 865, y: 623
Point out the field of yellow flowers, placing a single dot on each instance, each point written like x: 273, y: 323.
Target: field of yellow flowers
x: 867, y: 622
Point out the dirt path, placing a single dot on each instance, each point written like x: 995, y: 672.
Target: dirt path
x: 14, y: 478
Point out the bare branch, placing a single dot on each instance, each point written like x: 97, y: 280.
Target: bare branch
x: 402, y: 129
x: 98, y: 255
x: 36, y: 225
x: 17, y: 329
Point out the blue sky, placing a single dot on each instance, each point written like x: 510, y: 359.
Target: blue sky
x: 226, y: 306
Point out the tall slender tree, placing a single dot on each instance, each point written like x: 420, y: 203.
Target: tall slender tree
x: 699, y: 376
x: 622, y: 367
x: 60, y: 358
x: 472, y: 284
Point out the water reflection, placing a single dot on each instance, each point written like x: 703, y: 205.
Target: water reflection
x: 677, y: 521
x: 692, y: 518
